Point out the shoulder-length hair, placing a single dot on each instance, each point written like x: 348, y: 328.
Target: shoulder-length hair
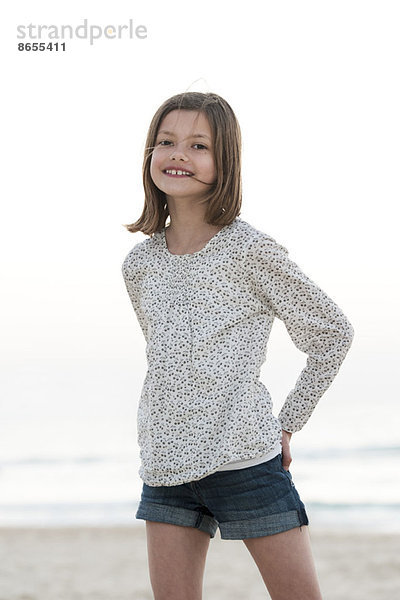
x: 224, y: 198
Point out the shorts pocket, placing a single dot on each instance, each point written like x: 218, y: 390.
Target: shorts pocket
x: 287, y: 473
x: 289, y: 476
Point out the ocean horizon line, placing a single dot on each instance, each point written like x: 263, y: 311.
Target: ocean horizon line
x: 309, y: 453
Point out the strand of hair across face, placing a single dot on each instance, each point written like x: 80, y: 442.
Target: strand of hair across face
x: 192, y: 176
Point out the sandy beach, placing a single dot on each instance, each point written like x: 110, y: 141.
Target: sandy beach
x: 98, y: 563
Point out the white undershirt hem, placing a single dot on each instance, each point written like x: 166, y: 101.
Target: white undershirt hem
x: 251, y: 462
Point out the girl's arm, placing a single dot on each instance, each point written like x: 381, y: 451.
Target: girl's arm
x: 316, y: 325
x: 286, y: 454
x: 132, y: 278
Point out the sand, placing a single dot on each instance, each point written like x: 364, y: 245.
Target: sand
x: 98, y: 563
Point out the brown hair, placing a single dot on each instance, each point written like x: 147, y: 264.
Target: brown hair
x: 225, y: 196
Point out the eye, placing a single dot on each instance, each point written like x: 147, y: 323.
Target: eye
x: 164, y: 142
x: 202, y: 146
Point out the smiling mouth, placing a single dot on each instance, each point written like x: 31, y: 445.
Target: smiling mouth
x: 178, y: 173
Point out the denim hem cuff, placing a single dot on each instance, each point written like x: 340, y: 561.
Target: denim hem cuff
x: 174, y: 515
x: 268, y: 525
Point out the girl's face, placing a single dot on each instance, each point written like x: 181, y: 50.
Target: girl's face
x: 182, y: 163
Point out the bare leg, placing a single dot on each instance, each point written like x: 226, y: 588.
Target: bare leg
x: 177, y: 558
x: 286, y: 564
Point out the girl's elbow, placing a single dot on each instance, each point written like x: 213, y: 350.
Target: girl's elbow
x: 348, y: 333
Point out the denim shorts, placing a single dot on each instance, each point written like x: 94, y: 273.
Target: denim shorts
x: 244, y: 503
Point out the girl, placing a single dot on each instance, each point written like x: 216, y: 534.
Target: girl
x: 205, y: 290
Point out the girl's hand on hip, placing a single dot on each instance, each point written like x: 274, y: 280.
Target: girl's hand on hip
x: 286, y: 455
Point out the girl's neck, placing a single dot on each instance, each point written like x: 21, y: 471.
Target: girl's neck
x: 186, y: 240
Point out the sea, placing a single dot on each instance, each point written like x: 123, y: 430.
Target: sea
x: 343, y: 488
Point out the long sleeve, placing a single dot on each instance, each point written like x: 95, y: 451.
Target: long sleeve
x: 316, y: 325
x: 132, y: 278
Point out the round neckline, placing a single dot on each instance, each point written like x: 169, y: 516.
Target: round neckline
x: 203, y: 249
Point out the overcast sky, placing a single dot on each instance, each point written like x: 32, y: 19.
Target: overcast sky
x: 316, y: 90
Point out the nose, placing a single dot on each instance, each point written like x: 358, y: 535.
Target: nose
x: 177, y: 154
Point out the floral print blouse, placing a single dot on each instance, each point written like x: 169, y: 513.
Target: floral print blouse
x: 206, y: 318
